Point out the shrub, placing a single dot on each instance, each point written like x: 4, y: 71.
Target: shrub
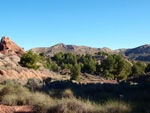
x: 9, y: 82
x: 116, y: 107
x: 138, y: 68
x: 33, y: 83
x: 116, y: 67
x: 54, y: 67
x: 29, y: 60
x: 43, y: 54
x: 13, y: 89
x: 13, y: 94
x: 67, y: 93
x: 75, y: 72
x: 9, y: 100
x: 70, y: 106
x: 42, y: 102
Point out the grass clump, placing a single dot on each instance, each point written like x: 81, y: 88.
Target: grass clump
x: 13, y: 89
x: 67, y: 93
x: 71, y: 106
x: 14, y: 95
x: 42, y: 102
x: 9, y: 100
x: 114, y: 106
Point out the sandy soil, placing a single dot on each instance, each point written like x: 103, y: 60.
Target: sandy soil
x: 16, y: 109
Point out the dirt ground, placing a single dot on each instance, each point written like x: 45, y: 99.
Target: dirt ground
x: 16, y: 109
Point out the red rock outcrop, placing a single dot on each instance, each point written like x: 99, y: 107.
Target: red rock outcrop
x: 11, y: 69
x: 24, y: 74
x: 7, y: 47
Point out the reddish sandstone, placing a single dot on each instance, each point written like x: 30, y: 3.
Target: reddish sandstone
x: 7, y: 47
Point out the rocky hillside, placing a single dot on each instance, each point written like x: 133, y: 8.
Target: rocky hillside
x: 10, y: 68
x: 141, y: 53
x: 74, y: 49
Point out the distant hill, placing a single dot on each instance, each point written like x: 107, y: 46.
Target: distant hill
x: 74, y: 49
x: 141, y: 53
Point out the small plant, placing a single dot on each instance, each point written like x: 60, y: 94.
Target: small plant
x: 33, y: 83
x: 67, y: 94
x: 9, y: 82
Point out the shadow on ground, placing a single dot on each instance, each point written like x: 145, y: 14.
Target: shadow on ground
x: 138, y: 95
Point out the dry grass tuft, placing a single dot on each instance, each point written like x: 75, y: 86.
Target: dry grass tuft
x: 67, y: 94
x: 43, y: 103
x: 116, y: 107
x: 70, y: 106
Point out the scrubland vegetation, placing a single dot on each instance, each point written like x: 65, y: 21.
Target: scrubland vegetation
x: 69, y: 97
x: 113, y: 66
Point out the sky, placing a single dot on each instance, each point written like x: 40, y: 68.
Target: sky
x: 96, y: 23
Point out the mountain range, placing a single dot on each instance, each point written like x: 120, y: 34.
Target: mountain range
x: 141, y: 53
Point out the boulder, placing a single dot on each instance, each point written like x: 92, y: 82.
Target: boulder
x: 8, y: 47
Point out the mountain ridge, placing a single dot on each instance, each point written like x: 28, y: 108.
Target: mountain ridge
x: 138, y: 53
x: 70, y: 48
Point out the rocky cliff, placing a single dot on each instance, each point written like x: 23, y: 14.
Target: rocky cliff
x: 8, y: 47
x: 11, y: 69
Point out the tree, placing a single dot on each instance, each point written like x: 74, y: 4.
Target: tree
x: 54, y: 67
x: 117, y: 67
x: 59, y: 57
x: 75, y: 72
x: 29, y: 60
x: 43, y: 54
x: 92, y: 66
x: 147, y: 68
x: 101, y: 53
x: 138, y: 68
x: 89, y: 63
x: 106, y: 73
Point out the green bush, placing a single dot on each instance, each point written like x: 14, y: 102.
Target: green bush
x: 29, y: 60
x: 75, y: 72
x: 138, y: 68
x: 54, y: 67
x: 116, y: 67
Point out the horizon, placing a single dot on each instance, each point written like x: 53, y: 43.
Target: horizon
x: 114, y: 24
x: 89, y: 46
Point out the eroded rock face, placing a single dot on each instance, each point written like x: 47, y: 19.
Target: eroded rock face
x: 8, y: 47
x: 11, y: 69
x: 24, y: 74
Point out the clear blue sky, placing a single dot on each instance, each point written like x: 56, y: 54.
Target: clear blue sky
x: 96, y: 23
